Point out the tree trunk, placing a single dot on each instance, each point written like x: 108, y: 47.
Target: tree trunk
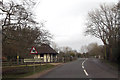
x: 111, y: 55
x: 107, y: 52
x: 105, y: 55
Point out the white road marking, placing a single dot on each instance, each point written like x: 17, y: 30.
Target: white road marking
x: 86, y: 72
x: 82, y: 64
x: 83, y: 67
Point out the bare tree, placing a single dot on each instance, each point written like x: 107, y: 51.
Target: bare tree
x: 119, y: 30
x: 55, y: 46
x: 83, y: 49
x: 16, y: 16
x: 102, y: 23
x: 19, y: 30
x: 95, y: 50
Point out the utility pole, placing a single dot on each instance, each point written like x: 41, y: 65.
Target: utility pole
x: 119, y: 19
x: 118, y: 7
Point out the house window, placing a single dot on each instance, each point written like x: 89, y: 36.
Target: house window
x: 41, y: 55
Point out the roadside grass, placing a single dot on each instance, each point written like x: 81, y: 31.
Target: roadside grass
x: 23, y: 65
x: 20, y: 72
x: 113, y: 64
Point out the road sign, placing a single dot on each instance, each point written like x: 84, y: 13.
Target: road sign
x: 33, y: 51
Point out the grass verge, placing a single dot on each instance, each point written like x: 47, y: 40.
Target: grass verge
x: 113, y: 64
x: 19, y: 72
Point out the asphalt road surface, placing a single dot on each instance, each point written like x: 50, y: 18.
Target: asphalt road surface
x: 83, y: 68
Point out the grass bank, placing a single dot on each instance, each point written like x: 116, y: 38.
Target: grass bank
x: 113, y: 64
x: 22, y: 71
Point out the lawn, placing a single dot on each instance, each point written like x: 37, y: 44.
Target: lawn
x: 22, y: 71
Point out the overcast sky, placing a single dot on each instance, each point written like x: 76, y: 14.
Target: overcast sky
x: 65, y: 19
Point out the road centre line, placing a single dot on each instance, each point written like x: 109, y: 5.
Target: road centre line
x: 86, y: 72
x: 83, y: 62
x: 83, y: 67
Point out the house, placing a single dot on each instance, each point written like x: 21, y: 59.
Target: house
x: 45, y: 54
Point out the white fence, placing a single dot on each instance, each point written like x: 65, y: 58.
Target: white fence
x: 33, y: 60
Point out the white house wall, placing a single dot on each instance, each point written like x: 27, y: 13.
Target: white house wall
x: 46, y: 57
x: 38, y: 55
x: 51, y: 57
x: 35, y: 56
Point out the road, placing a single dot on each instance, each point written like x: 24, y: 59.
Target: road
x: 83, y: 68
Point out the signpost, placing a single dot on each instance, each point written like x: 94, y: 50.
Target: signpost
x: 33, y: 51
x: 17, y: 59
